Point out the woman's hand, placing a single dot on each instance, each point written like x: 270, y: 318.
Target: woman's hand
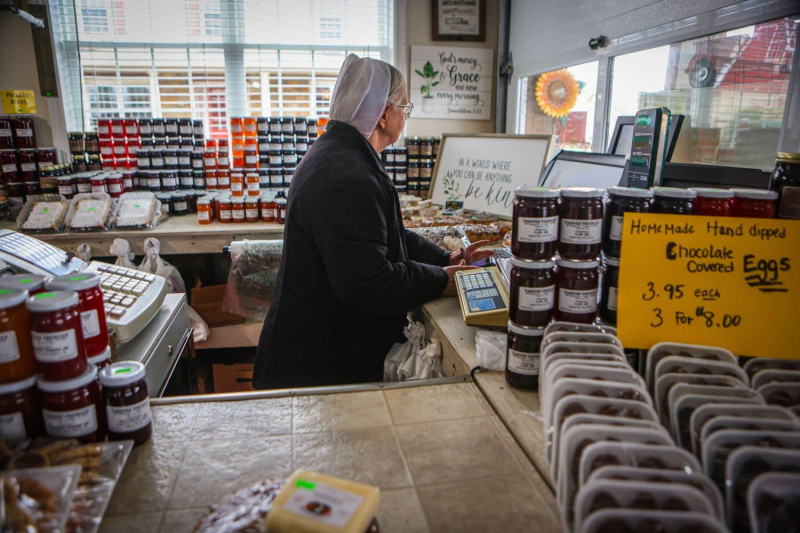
x: 450, y: 290
x: 471, y: 253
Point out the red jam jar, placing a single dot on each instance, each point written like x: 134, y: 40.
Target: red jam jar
x: 24, y: 136
x: 107, y: 148
x: 46, y: 157
x: 6, y: 133
x: 32, y: 187
x: 103, y: 129
x: 16, y: 352
x: 581, y: 223
x: 27, y: 162
x: 84, y: 183
x: 533, y: 290
x: 127, y: 402
x: 91, y: 306
x: 33, y: 283
x: 535, y: 234
x: 117, y: 128
x: 115, y: 185
x: 713, y: 202
x: 755, y: 203
x: 57, y: 335
x: 131, y: 128
x: 576, y: 291
x: 237, y: 210
x: 99, y: 184
x: 73, y: 408
x: 103, y: 360
x: 10, y: 166
x: 20, y: 411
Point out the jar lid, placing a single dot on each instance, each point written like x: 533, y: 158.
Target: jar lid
x: 755, y: 194
x: 537, y: 192
x: 77, y: 282
x: 251, y: 200
x: 225, y: 201
x: 204, y: 201
x: 673, y: 192
x: 52, y: 301
x: 102, y: 356
x: 522, y: 330
x: 712, y: 193
x: 611, y: 261
x: 12, y: 297
x: 27, y: 282
x: 788, y: 157
x: 17, y: 386
x: 538, y: 265
x: 571, y: 263
x: 121, y: 374
x: 581, y: 192
x: 99, y: 178
x: 69, y: 384
x: 630, y: 192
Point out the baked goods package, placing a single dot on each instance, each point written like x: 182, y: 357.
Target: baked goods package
x: 89, y: 212
x: 43, y: 213
x: 448, y: 238
x: 136, y: 210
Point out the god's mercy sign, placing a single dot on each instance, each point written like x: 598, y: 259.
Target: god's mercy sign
x: 729, y: 282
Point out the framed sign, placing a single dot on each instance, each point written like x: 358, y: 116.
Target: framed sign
x: 482, y: 171
x: 453, y: 83
x: 458, y: 20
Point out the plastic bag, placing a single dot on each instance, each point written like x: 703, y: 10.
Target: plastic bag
x: 413, y: 359
x: 252, y: 278
x: 122, y: 250
x: 153, y: 264
x: 491, y: 348
x: 201, y: 329
x: 84, y: 252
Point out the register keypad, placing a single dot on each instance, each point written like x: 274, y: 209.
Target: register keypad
x: 122, y: 287
x: 481, y: 292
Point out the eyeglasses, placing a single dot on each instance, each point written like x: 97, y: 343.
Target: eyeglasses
x: 407, y: 109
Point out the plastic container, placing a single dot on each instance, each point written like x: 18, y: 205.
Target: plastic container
x: 594, y: 338
x: 681, y: 412
x: 89, y: 212
x: 719, y: 423
x: 632, y: 520
x: 713, y: 202
x: 576, y: 291
x: 755, y: 203
x: 705, y: 413
x: 672, y: 201
x: 782, y: 394
x: 557, y: 359
x: 666, y: 382
x: 43, y: 213
x: 764, y: 377
x: 532, y: 291
x: 594, y: 372
x: 580, y: 223
x: 665, y: 349
x: 760, y: 363
x: 697, y: 367
x: 772, y: 502
x: 20, y: 411
x: 522, y: 356
x: 57, y: 334
x: 718, y: 446
x: 92, y: 309
x: 575, y: 327
x: 681, y: 428
x: 136, y: 210
x: 73, y: 408
x: 127, y: 402
x: 17, y: 361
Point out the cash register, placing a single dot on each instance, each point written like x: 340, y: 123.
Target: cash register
x: 483, y: 296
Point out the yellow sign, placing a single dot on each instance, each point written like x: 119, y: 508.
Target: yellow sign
x: 18, y: 102
x: 729, y: 282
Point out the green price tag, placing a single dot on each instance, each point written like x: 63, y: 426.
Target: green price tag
x: 303, y: 484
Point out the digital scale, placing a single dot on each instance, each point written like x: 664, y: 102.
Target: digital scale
x: 648, y: 147
x: 483, y: 296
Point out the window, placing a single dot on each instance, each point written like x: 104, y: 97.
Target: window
x: 731, y: 87
x: 95, y: 19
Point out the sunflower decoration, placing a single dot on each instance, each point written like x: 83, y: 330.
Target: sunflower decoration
x: 556, y: 93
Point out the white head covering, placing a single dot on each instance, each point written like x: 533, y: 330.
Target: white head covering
x: 361, y: 92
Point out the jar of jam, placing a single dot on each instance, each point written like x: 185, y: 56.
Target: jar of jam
x: 114, y: 185
x: 17, y: 361
x: 198, y: 129
x: 785, y: 180
x: 104, y: 128
x: 185, y: 179
x: 20, y: 411
x: 57, y: 334
x: 16, y: 193
x: 263, y: 178
x: 84, y: 183
x: 251, y: 209
x: 576, y: 291
x: 185, y: 158
x: 45, y: 157
x: 281, y: 203
x: 127, y: 402
x: 275, y: 178
x: 533, y: 291
x: 253, y: 184
x: 535, y: 214
x: 262, y: 126
x: 159, y: 128
x: 143, y: 159
x: 198, y: 179
x: 169, y: 181
x: 127, y: 180
x: 32, y: 188
x: 65, y: 186
x: 523, y: 356
x: 79, y: 163
x: 755, y: 203
x: 210, y: 158
x: 287, y: 125
x: 608, y: 291
x: 713, y: 202
x: 238, y: 209
x: 275, y: 143
x: 313, y: 128
x: 171, y: 158
x: 102, y: 360
x: 413, y: 147
x: 91, y: 307
x: 223, y: 179
x: 120, y: 149
x: 204, y: 212
x: 413, y: 171
x: 24, y: 135
x: 145, y: 128
x: 10, y: 166
x: 226, y: 210
x: 171, y: 128
x: 672, y: 201
x: 437, y: 143
x: 400, y: 156
x: 180, y: 205
x: 153, y: 181
x: 73, y: 408
x: 269, y: 209
x: 94, y: 163
x: 622, y: 200
x: 117, y: 128
x: 7, y: 133
x: 99, y: 184
x: 237, y: 184
x: 166, y: 201
x: 288, y: 175
x: 275, y: 159
x: 92, y: 142
x: 581, y: 223
x: 300, y: 125
x: 273, y: 125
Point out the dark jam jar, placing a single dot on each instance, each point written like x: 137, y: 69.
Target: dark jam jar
x: 535, y: 234
x: 576, y: 291
x: 127, y: 402
x: 522, y: 356
x: 93, y: 313
x: 713, y: 202
x: 533, y: 292
x: 73, y: 408
x: 622, y: 200
x: 785, y: 180
x: 20, y: 411
x: 755, y: 203
x: 672, y: 201
x: 57, y: 334
x: 608, y: 291
x: 581, y: 223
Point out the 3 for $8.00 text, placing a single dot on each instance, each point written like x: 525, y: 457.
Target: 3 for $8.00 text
x: 701, y: 315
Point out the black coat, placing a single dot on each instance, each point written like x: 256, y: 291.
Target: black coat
x: 350, y: 271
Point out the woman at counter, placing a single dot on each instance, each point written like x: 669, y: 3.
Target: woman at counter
x: 350, y: 271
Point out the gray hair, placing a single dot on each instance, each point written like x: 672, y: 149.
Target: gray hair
x: 397, y: 86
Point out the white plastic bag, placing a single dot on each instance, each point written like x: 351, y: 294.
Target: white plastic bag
x: 84, y: 252
x: 122, y: 250
x: 491, y: 348
x: 401, y: 353
x: 153, y: 264
x: 428, y: 363
x: 201, y: 329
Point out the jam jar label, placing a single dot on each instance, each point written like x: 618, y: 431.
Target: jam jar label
x: 536, y: 298
x: 8, y: 168
x: 537, y: 229
x: 12, y: 427
x: 9, y: 350
x: 129, y: 418
x: 55, y: 347
x: 570, y: 301
x: 523, y: 363
x: 612, y: 298
x: 575, y: 231
x: 74, y: 423
x: 203, y: 215
x: 251, y: 213
x: 615, y: 232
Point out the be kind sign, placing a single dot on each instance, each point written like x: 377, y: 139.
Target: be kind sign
x: 454, y: 83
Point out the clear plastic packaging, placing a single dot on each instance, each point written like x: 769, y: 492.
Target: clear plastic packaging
x: 685, y: 365
x: 719, y: 445
x: 631, y: 520
x: 448, y: 238
x: 684, y: 389
x: 580, y: 358
x: 598, y: 338
x: 53, y: 509
x: 666, y: 349
x: 772, y: 502
x: 763, y: 377
x: 782, y: 394
x: 681, y: 411
x: 581, y: 347
x: 43, y: 213
x: 720, y: 423
x: 704, y: 413
x: 761, y: 363
x: 89, y: 212
x: 137, y: 210
x: 575, y: 327
x: 666, y: 382
x: 595, y: 372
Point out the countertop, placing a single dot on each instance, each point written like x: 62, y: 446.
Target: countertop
x: 443, y: 459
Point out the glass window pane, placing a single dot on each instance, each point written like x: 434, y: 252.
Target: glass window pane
x: 731, y: 86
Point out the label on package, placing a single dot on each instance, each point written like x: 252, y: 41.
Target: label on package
x: 290, y: 159
x: 24, y: 132
x: 238, y: 214
x: 203, y: 215
x: 5, y: 132
x: 523, y: 363
x: 181, y: 206
x: 581, y: 231
x: 251, y: 213
x: 130, y: 130
x: 55, y: 347
x: 145, y: 130
x: 70, y: 424
x: 236, y: 186
x: 12, y: 427
x: 157, y: 161
x: 275, y: 160
x: 211, y: 182
x: 9, y: 350
x: 172, y: 127
x: 9, y: 167
x: 171, y: 161
x: 116, y: 129
x: 612, y: 298
x: 268, y: 213
x: 536, y: 298
x: 276, y: 180
x: 184, y: 160
x: 129, y: 418
x: 89, y: 321
x: 28, y: 167
x: 119, y: 149
x: 616, y: 229
x: 115, y: 187
x: 186, y: 129
x: 251, y: 159
x: 106, y: 150
x: 224, y: 162
x: 537, y: 229
x: 323, y: 503
x: 197, y: 164
x: 169, y: 182
x: 224, y: 182
x: 570, y: 301
x: 253, y: 186
x: 187, y: 182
